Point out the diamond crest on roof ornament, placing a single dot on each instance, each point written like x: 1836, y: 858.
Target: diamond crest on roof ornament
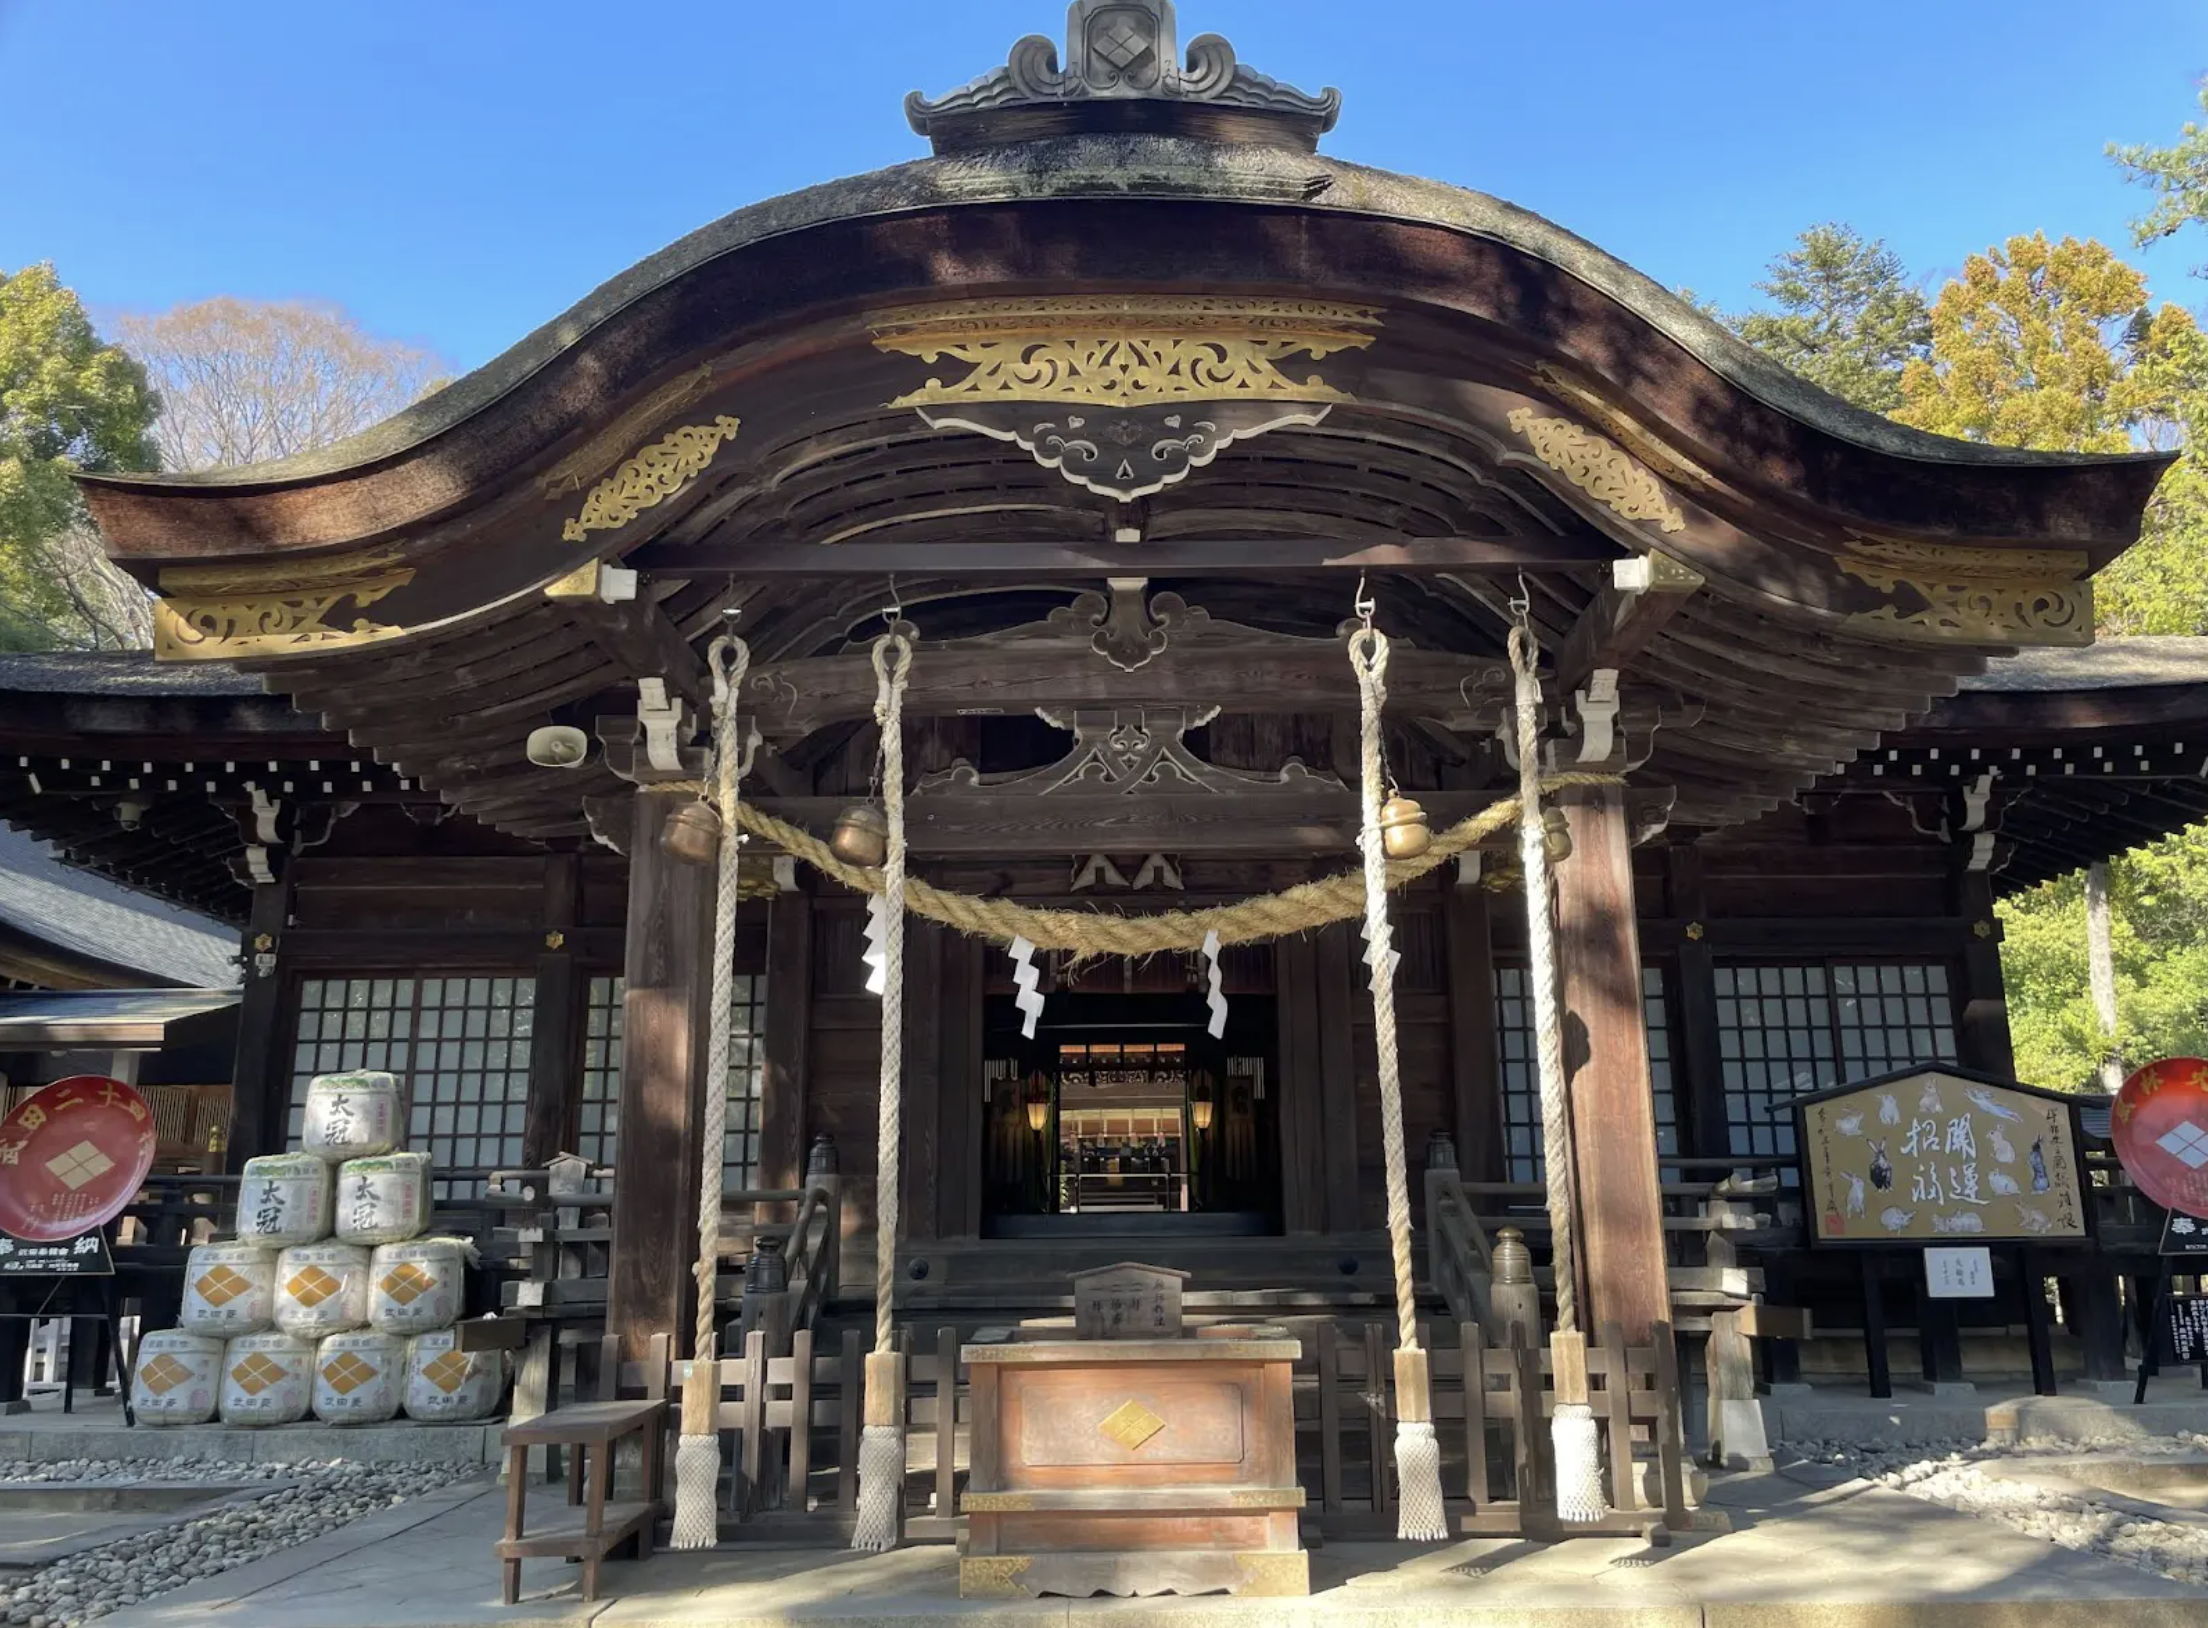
x: 1123, y: 72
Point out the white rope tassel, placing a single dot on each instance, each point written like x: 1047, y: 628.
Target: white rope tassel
x: 1421, y: 1516
x: 1579, y: 1494
x: 698, y: 1456
x: 882, y: 1447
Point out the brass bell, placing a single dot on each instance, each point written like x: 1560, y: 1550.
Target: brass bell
x: 1403, y: 828
x: 692, y: 834
x: 861, y: 836
x: 1556, y: 835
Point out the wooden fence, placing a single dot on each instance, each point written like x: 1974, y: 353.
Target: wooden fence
x: 792, y: 1484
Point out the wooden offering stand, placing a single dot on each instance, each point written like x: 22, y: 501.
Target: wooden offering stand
x: 1154, y: 1464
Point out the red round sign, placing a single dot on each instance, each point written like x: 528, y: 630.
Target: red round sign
x: 72, y: 1156
x: 2160, y: 1128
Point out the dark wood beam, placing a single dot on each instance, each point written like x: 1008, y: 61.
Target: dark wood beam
x: 1622, y: 619
x: 1048, y: 558
x: 643, y: 642
x: 979, y: 823
x: 792, y: 699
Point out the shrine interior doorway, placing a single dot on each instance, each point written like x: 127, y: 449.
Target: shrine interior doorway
x: 1124, y: 1116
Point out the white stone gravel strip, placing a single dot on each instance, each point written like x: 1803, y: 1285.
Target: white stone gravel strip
x: 1969, y: 1477
x: 314, y: 1499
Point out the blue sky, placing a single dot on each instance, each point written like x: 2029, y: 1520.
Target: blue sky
x: 457, y: 173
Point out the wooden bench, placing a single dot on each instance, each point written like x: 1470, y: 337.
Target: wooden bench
x: 587, y: 1530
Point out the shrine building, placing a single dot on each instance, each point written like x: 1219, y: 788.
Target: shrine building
x: 1128, y: 399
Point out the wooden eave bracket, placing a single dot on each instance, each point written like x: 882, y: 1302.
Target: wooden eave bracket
x: 1643, y: 594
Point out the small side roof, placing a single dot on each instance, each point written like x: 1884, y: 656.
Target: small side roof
x: 87, y: 916
x: 126, y: 1019
x: 2107, y: 664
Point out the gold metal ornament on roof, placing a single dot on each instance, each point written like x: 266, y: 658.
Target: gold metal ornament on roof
x: 223, y: 612
x: 1967, y: 595
x: 1124, y: 351
x: 650, y: 477
x: 1601, y: 469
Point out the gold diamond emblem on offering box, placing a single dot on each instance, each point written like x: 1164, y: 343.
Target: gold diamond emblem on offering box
x: 79, y: 1165
x: 346, y: 1373
x: 163, y: 1374
x: 313, y: 1286
x: 222, y: 1285
x: 256, y: 1373
x: 407, y: 1283
x: 1131, y: 1424
x: 448, y: 1373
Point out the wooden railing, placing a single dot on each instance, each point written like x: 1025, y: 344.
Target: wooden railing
x: 792, y: 1426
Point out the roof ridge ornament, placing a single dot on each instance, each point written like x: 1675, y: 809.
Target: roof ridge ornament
x: 1123, y: 71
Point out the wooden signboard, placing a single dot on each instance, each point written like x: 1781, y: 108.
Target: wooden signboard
x: 1937, y: 1155
x: 1127, y: 1302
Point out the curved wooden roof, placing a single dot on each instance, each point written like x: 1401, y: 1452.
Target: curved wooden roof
x: 1413, y: 380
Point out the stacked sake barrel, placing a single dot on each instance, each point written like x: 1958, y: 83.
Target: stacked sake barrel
x: 330, y: 1300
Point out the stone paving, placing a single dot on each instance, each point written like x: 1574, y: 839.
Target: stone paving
x: 1810, y: 1550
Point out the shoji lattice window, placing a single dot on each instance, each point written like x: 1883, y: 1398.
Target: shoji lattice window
x: 1515, y: 1045
x: 1784, y: 1030
x: 459, y: 1044
x: 597, y: 1122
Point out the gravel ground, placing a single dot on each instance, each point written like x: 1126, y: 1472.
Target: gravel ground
x: 321, y: 1495
x: 1955, y: 1476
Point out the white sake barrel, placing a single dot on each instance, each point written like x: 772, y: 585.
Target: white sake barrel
x: 449, y: 1386
x: 384, y: 1200
x: 417, y: 1286
x: 284, y: 1198
x: 267, y: 1379
x: 321, y: 1289
x: 229, y: 1289
x: 352, y: 1116
x: 358, y: 1377
x: 178, y: 1380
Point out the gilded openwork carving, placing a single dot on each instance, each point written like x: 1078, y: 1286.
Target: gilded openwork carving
x: 1604, y: 471
x: 218, y: 613
x: 1974, y: 595
x: 1146, y: 388
x: 650, y: 477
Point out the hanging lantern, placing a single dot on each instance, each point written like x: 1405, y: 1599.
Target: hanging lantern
x: 1200, y: 1105
x: 861, y: 836
x: 1404, y: 832
x: 1038, y: 1102
x: 692, y: 834
x: 1556, y: 835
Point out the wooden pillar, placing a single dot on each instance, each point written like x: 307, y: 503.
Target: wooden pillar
x: 1338, y: 969
x: 555, y: 1043
x: 664, y: 1018
x: 1621, y: 1233
x: 260, y: 1075
x: 1981, y: 1004
x: 1701, y: 1092
x: 1475, y: 1087
x: 788, y: 1038
x: 1299, y: 1084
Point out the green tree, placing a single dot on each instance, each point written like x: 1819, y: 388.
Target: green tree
x: 1843, y: 316
x: 68, y: 401
x: 2176, y: 174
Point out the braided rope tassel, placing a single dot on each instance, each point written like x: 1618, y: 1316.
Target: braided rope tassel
x: 882, y: 1445
x: 698, y: 1450
x: 1572, y: 1433
x: 1422, y: 1517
